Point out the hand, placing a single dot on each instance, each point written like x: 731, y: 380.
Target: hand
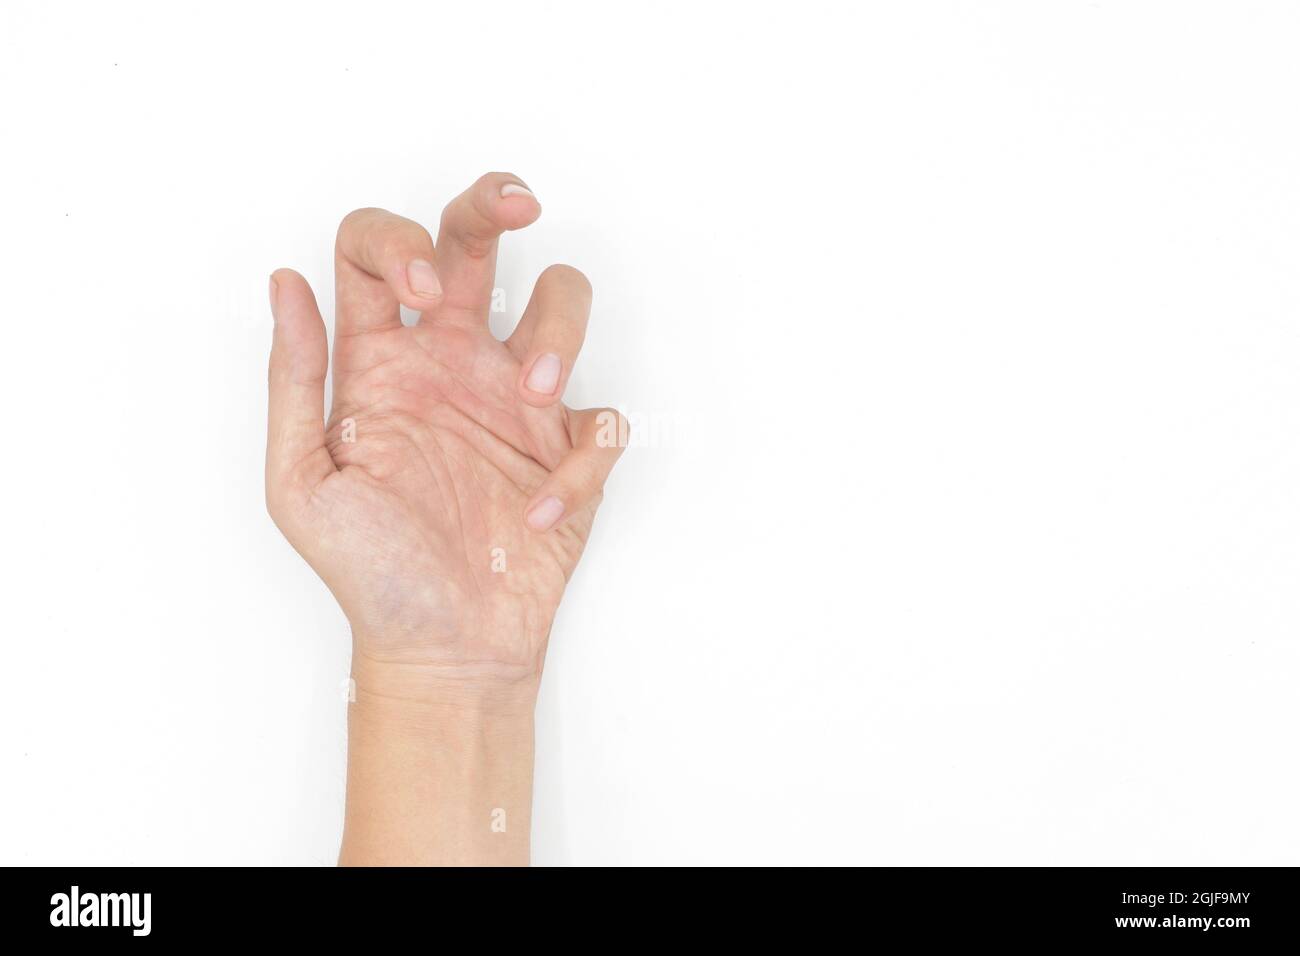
x: 451, y: 494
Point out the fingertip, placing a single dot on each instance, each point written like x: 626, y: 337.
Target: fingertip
x: 286, y: 286
x: 514, y: 205
x: 541, y: 380
x: 423, y: 287
x: 517, y: 214
x: 288, y: 290
x: 544, y: 514
x: 299, y: 332
x: 277, y: 279
x: 282, y: 275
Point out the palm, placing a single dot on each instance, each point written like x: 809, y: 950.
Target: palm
x: 428, y: 498
x: 450, y: 496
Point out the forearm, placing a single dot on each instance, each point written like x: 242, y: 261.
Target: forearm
x: 446, y: 508
x: 439, y: 772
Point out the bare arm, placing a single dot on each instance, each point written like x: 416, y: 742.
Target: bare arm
x: 435, y: 775
x: 445, y: 502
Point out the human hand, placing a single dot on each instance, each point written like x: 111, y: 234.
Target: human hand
x: 449, y: 497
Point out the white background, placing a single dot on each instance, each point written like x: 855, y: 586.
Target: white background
x: 966, y: 336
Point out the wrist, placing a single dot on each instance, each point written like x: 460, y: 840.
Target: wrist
x: 462, y: 691
x: 439, y: 767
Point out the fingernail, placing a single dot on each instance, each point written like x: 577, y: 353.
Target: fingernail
x: 423, y: 280
x: 545, y: 375
x: 275, y: 287
x: 545, y: 513
x: 514, y: 189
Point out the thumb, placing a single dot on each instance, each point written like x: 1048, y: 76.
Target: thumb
x: 296, y: 457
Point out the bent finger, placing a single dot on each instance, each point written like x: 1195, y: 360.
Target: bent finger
x: 550, y: 334
x: 600, y: 434
x: 381, y: 261
x: 471, y: 225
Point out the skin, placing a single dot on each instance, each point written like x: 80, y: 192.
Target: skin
x: 445, y: 503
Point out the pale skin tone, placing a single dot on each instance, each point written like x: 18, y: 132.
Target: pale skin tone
x: 445, y: 503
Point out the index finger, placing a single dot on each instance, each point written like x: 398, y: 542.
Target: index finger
x: 382, y: 261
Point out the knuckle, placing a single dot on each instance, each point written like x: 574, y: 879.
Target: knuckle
x: 401, y: 233
x: 372, y: 237
x: 357, y: 220
x: 561, y: 274
x: 475, y: 236
x: 387, y: 247
x: 422, y: 236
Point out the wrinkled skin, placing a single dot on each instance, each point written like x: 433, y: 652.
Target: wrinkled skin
x: 414, y: 503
